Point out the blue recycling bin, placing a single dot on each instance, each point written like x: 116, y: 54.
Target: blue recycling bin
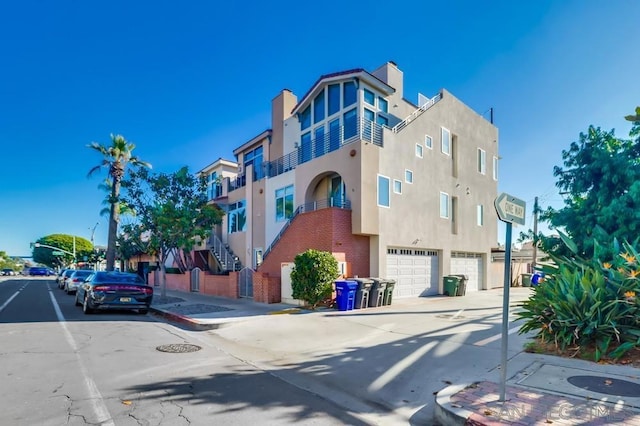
x: 346, y: 294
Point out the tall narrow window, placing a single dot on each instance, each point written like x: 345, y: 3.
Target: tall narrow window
x: 419, y: 150
x: 350, y: 124
x: 444, y: 205
x: 319, y: 143
x: 305, y: 118
x: 318, y: 108
x: 383, y: 105
x: 397, y: 186
x: 495, y: 168
x: 428, y: 141
x: 384, y: 195
x: 284, y: 203
x: 237, y: 217
x: 334, y: 134
x: 305, y: 148
x: 482, y: 161
x: 349, y: 93
x: 480, y: 215
x: 334, y: 98
x: 446, y: 141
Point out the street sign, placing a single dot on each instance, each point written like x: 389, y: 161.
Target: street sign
x: 57, y: 253
x: 510, y: 209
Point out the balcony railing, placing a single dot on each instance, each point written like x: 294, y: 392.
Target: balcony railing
x: 308, y: 207
x: 415, y: 114
x: 227, y: 260
x: 352, y: 131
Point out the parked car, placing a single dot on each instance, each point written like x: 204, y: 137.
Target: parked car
x: 59, y: 276
x: 37, y: 270
x: 66, y: 274
x: 8, y: 272
x: 75, y: 279
x: 103, y: 290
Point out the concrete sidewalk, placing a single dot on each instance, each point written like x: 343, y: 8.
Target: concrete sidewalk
x: 540, y: 389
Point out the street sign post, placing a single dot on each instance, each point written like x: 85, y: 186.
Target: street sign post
x: 510, y: 210
x: 56, y: 253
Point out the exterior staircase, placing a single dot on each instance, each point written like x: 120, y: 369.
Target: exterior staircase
x: 417, y: 113
x: 227, y: 261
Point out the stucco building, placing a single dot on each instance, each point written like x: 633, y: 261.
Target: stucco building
x: 393, y: 188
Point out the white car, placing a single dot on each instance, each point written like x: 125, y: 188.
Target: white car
x: 74, y: 280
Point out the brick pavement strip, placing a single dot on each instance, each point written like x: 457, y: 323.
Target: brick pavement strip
x: 525, y: 407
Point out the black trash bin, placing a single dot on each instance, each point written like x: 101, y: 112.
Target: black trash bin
x: 362, y: 294
x: 388, y: 292
x: 462, y: 284
x: 376, y: 294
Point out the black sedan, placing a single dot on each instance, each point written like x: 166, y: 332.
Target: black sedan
x: 104, y: 290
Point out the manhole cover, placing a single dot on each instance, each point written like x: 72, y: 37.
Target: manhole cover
x: 606, y: 385
x: 178, y: 348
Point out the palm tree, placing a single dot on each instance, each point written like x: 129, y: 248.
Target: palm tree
x: 116, y: 157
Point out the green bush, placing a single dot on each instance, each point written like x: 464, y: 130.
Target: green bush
x: 313, y: 275
x: 588, y: 303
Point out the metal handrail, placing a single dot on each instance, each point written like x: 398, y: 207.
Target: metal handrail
x: 228, y: 261
x: 415, y: 114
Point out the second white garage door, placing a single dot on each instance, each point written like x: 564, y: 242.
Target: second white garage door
x: 469, y: 264
x: 415, y: 272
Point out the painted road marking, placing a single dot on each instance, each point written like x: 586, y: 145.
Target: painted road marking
x: 95, y: 398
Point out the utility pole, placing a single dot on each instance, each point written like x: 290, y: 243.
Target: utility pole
x: 535, y: 234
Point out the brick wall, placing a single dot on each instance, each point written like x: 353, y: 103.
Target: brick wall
x: 326, y: 230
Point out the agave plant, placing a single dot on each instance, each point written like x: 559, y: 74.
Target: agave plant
x: 588, y: 302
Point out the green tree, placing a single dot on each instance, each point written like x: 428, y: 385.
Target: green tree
x: 116, y: 158
x: 61, y: 242
x: 313, y: 275
x: 172, y: 212
x: 601, y: 183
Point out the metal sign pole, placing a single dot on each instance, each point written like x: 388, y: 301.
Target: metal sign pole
x: 505, y: 313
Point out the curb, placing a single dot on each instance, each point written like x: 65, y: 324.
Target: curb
x: 181, y: 319
x: 446, y: 412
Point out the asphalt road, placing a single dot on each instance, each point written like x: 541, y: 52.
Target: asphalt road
x: 61, y: 367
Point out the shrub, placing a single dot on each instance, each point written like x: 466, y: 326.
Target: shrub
x: 589, y: 303
x: 313, y: 275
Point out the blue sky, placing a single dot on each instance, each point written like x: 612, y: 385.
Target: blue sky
x: 188, y: 82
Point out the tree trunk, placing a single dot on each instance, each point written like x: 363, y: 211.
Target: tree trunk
x: 114, y: 218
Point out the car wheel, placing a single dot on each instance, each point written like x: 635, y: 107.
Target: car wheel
x: 85, y: 306
x: 143, y: 311
x: 77, y: 301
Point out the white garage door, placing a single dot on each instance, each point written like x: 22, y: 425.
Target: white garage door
x: 415, y: 272
x: 469, y: 264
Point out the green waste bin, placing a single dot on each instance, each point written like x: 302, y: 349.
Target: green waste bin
x: 451, y: 283
x: 388, y: 292
x: 526, y: 280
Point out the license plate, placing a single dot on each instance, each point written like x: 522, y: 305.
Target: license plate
x: 125, y: 299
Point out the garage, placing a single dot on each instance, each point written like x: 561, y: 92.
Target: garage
x: 414, y: 271
x: 469, y: 264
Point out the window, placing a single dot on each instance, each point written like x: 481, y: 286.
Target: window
x: 305, y: 148
x: 334, y: 98
x: 383, y: 191
x: 319, y: 142
x: 334, y: 134
x: 254, y: 157
x: 383, y: 121
x: 214, y: 186
x: 446, y: 141
x: 482, y: 163
x: 397, y: 186
x: 349, y: 93
x: 350, y: 124
x: 408, y: 176
x: 305, y: 118
x: 428, y: 141
x: 284, y: 203
x: 495, y: 168
x: 237, y: 217
x: 383, y: 105
x: 418, y: 150
x: 444, y: 205
x: 480, y: 214
x: 369, y: 115
x: 318, y: 108
x: 369, y: 97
